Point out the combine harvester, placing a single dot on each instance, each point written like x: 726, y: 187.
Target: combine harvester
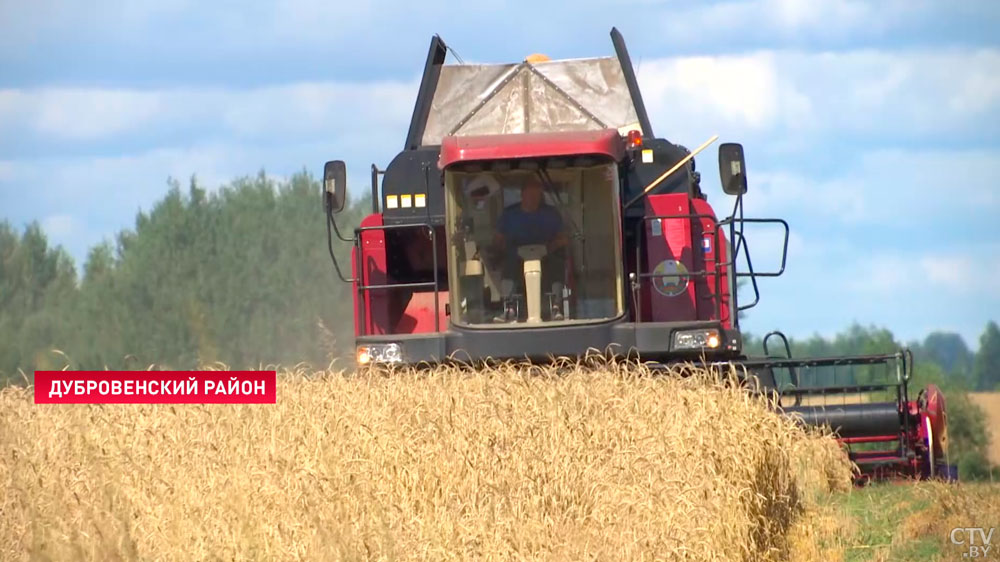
x: 533, y: 214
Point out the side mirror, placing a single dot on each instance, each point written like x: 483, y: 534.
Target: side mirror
x: 334, y: 185
x: 732, y: 168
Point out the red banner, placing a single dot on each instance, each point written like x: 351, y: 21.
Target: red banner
x: 155, y: 387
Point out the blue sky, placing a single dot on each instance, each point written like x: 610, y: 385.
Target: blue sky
x: 872, y: 127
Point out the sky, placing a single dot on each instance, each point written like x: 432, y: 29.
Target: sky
x: 873, y: 128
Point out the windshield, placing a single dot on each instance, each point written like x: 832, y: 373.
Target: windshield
x: 534, y: 247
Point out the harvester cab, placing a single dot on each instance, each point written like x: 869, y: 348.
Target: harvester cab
x: 533, y: 214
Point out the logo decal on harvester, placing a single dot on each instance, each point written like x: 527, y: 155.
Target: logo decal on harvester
x: 670, y: 278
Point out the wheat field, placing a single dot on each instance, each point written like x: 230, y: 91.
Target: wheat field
x: 990, y: 403
x: 507, y: 464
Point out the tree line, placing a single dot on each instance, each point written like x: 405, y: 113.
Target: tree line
x: 241, y: 276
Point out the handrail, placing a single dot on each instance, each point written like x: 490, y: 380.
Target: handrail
x: 362, y: 288
x: 841, y: 389
x: 874, y: 359
x: 738, y: 242
x: 784, y: 247
x: 780, y: 335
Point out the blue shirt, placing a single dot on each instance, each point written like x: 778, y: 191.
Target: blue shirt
x: 520, y: 227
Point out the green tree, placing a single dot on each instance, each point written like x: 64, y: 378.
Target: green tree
x: 37, y: 286
x: 240, y: 275
x: 986, y: 369
x: 948, y: 350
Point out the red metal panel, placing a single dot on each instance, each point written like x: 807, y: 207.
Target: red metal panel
x: 495, y: 147
x: 373, y: 272
x: 710, y: 254
x: 671, y: 296
x: 418, y: 317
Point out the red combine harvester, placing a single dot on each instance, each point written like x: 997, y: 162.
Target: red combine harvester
x: 533, y: 214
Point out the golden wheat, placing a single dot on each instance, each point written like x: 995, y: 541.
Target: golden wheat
x: 502, y: 465
x: 990, y: 404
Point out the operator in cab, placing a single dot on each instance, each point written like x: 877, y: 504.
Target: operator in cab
x: 532, y: 222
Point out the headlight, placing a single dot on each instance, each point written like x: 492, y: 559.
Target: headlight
x: 696, y: 339
x: 379, y: 353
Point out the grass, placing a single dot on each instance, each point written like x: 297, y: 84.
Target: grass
x: 901, y: 521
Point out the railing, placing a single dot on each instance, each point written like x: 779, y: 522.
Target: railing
x: 739, y: 242
x: 827, y: 378
x: 718, y: 268
x: 364, y: 290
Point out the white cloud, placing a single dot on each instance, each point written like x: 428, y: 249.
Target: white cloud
x: 963, y: 271
x: 87, y: 114
x: 74, y: 114
x: 334, y: 108
x: 801, y: 97
x: 814, y: 16
x: 791, y: 19
x: 257, y: 24
x: 947, y: 274
x: 316, y: 20
x: 78, y: 114
x: 879, y: 274
x: 778, y: 192
x: 40, y: 21
x: 932, y: 187
x: 743, y: 89
x: 61, y: 226
x: 953, y: 272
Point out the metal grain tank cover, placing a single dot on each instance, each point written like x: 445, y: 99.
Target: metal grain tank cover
x: 541, y: 97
